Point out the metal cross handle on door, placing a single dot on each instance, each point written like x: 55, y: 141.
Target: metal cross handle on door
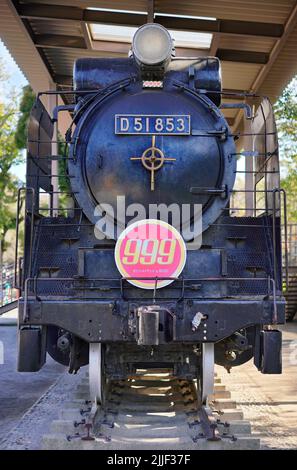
x: 153, y: 159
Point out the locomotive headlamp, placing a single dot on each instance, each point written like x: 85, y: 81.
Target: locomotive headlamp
x: 152, y: 45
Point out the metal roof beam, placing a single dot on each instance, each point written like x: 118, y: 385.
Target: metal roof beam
x: 78, y: 42
x: 150, y: 11
x: 214, y: 44
x: 58, y: 12
x: 63, y: 79
x: 87, y: 34
x: 116, y: 47
x: 249, y: 28
x: 59, y: 41
x: 278, y: 46
x: 251, y: 57
x: 230, y: 121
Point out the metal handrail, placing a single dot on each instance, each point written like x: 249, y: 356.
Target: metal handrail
x: 25, y: 189
x: 264, y: 224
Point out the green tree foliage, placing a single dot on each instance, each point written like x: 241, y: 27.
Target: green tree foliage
x: 286, y: 120
x: 9, y: 155
x: 64, y: 183
x: 26, y: 104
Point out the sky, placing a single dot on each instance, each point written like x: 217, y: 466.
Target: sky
x: 16, y: 80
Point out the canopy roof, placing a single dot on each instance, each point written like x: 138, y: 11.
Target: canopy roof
x: 255, y: 40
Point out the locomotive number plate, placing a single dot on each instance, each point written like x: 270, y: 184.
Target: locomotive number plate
x: 163, y: 124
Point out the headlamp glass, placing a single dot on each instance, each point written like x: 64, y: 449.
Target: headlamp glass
x: 152, y: 44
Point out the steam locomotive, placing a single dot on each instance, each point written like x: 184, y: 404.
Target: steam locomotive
x: 149, y: 129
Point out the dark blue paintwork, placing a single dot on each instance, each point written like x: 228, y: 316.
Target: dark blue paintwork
x: 102, y: 168
x: 73, y: 285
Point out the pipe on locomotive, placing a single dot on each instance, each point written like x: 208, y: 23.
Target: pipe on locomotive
x: 152, y: 50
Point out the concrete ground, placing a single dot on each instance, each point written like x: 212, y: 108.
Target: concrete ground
x: 19, y: 391
x: 269, y: 402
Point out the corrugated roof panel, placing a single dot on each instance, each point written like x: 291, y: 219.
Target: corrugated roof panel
x: 133, y: 5
x: 62, y: 60
x: 67, y: 28
x: 275, y: 11
x: 246, y: 43
x: 283, y: 69
x: 238, y: 76
x: 21, y: 48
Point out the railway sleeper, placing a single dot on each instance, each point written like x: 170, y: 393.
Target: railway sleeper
x: 164, y: 415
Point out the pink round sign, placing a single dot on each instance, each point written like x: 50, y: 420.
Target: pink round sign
x: 148, y: 250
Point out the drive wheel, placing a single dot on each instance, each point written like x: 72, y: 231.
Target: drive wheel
x: 205, y: 379
x: 97, y: 377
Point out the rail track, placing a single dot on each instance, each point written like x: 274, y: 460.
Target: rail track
x: 151, y: 410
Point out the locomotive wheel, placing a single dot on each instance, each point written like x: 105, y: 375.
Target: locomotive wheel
x: 97, y: 376
x: 205, y: 379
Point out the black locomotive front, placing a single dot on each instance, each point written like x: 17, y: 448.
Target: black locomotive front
x: 147, y: 131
